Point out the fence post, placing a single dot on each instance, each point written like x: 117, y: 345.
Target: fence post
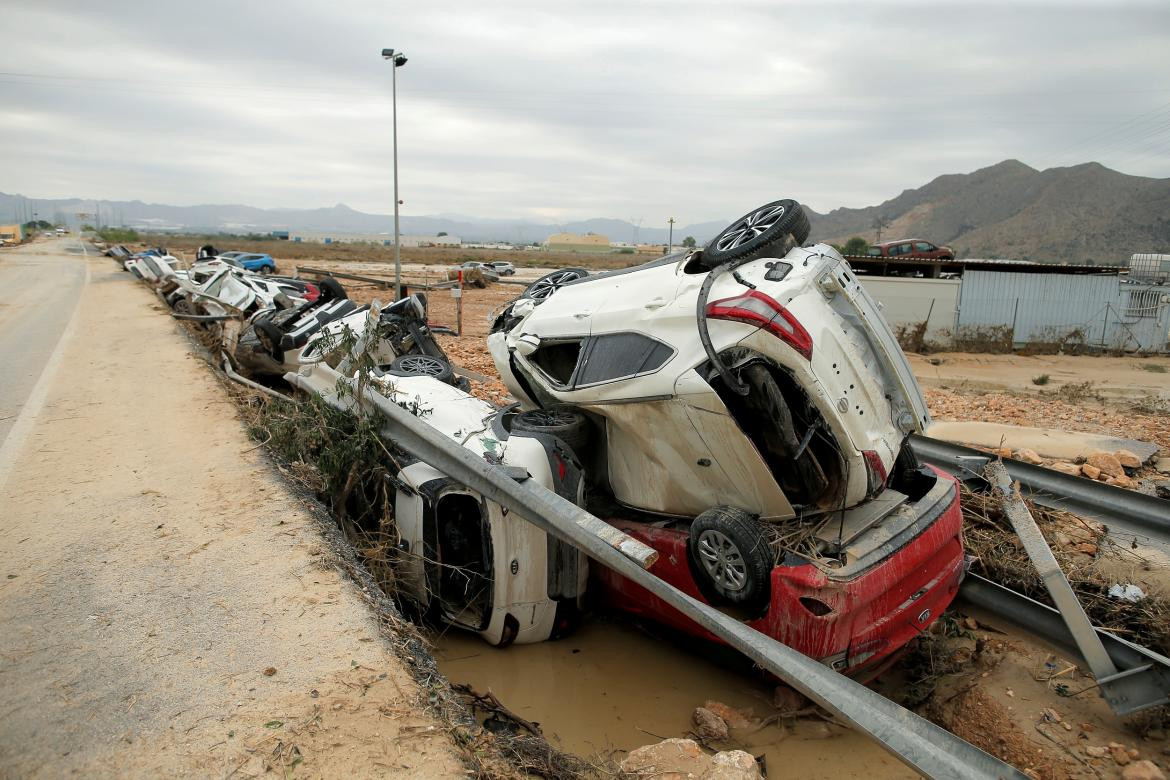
x: 1015, y: 314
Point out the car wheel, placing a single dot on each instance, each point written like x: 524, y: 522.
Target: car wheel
x: 548, y: 284
x: 568, y: 425
x: 270, y: 337
x: 265, y: 270
x: 757, y: 231
x: 731, y: 555
x: 183, y: 306
x: 331, y: 289
x: 421, y: 365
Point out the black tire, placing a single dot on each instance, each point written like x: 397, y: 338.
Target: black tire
x: 758, y: 231
x: 421, y: 365
x: 266, y: 270
x: 548, y: 284
x: 731, y: 556
x: 331, y: 289
x: 566, y: 423
x: 270, y: 337
x: 183, y: 306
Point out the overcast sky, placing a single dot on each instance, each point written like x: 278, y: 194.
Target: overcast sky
x: 635, y: 110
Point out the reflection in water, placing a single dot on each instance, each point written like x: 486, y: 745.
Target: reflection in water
x: 611, y: 687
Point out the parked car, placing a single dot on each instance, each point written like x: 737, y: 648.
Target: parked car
x: 253, y: 261
x: 743, y: 394
x: 503, y: 267
x: 474, y: 274
x: 911, y: 248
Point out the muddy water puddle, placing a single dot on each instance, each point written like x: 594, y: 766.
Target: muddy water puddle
x: 610, y: 687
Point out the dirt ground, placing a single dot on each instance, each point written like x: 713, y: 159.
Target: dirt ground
x: 168, y: 606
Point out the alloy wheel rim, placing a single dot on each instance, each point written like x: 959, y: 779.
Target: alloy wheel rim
x: 422, y: 364
x: 755, y: 224
x: 722, y: 560
x: 546, y: 287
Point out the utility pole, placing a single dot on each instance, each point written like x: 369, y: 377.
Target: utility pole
x: 880, y: 223
x: 397, y: 60
x: 670, y: 240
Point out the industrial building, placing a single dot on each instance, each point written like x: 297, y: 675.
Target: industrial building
x: 1010, y: 305
x: 575, y: 242
x: 383, y: 239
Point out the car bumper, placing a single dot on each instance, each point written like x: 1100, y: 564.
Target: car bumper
x: 854, y: 623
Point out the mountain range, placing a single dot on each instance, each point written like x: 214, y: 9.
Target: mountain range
x: 1083, y: 213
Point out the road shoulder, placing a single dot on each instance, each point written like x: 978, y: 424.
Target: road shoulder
x: 167, y: 604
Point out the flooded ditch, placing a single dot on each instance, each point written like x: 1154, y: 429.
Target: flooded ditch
x: 609, y: 687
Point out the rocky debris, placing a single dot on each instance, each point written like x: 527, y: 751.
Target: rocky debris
x: 1128, y: 459
x: 1119, y: 753
x: 1064, y: 467
x: 1003, y: 452
x: 1107, y: 462
x: 730, y: 715
x: 1092, y: 472
x: 1029, y: 456
x: 1121, y: 482
x: 682, y: 759
x: 1162, y: 465
x: 733, y: 765
x: 1050, y: 715
x: 1096, y: 751
x: 708, y: 725
x: 1142, y: 770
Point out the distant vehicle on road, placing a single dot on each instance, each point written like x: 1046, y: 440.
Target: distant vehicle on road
x: 911, y: 248
x: 503, y: 267
x: 251, y: 261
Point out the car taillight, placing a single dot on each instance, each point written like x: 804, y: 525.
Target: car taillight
x: 755, y: 308
x: 875, y: 472
x: 311, y: 292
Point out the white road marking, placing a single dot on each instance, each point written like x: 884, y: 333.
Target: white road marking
x: 19, y: 431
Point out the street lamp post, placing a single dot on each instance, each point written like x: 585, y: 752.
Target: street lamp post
x: 398, y: 59
x: 670, y: 241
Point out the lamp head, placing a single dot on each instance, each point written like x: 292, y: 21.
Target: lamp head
x: 397, y: 57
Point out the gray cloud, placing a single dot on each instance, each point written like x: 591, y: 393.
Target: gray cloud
x: 526, y: 109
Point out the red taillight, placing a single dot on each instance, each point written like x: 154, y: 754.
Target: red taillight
x: 311, y: 292
x: 875, y: 472
x: 755, y: 308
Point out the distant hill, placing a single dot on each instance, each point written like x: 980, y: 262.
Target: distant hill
x: 235, y: 218
x: 1086, y: 213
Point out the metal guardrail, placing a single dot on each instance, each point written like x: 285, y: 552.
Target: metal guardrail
x: 920, y: 744
x: 1126, y: 510
x: 1150, y: 682
x: 1123, y: 690
x: 386, y: 284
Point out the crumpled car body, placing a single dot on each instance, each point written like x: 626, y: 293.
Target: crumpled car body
x: 814, y: 437
x: 466, y: 560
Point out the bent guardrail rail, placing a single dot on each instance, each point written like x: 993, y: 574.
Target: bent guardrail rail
x: 1120, y: 509
x: 920, y: 744
x: 1150, y: 682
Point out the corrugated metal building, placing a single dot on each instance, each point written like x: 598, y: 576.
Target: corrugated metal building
x: 1107, y: 311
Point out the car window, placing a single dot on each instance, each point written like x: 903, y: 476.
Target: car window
x: 619, y: 356
x: 904, y: 249
x: 923, y: 246
x: 874, y: 251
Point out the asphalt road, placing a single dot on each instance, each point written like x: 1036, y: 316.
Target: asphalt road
x: 40, y: 285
